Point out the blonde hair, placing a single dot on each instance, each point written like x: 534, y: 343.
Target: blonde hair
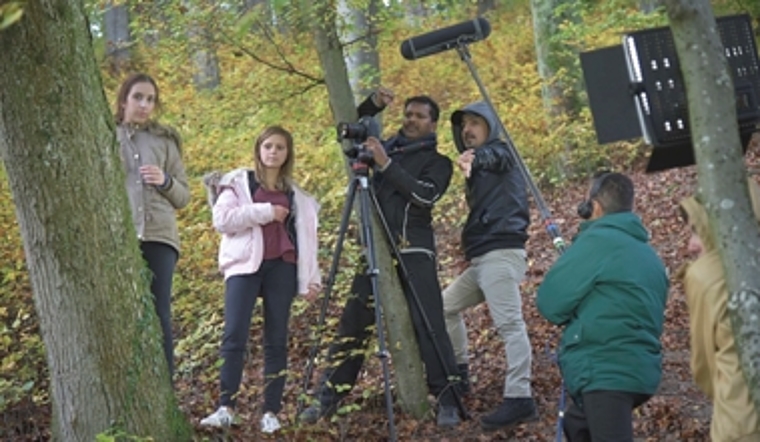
x: 285, y: 177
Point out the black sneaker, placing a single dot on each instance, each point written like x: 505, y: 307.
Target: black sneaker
x: 448, y: 416
x: 513, y: 411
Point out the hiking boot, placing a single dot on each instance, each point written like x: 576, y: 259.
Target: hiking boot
x: 512, y: 411
x: 269, y: 423
x: 311, y: 415
x: 220, y: 418
x: 464, y: 379
x: 448, y: 416
x: 317, y: 411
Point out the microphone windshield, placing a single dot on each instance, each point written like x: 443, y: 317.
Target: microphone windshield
x: 444, y: 39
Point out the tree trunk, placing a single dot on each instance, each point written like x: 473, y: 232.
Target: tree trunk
x: 362, y: 59
x: 402, y: 344
x: 648, y: 6
x: 96, y: 313
x: 206, y: 64
x: 485, y: 6
x: 202, y: 51
x: 721, y: 171
x: 561, y: 93
x: 118, y: 37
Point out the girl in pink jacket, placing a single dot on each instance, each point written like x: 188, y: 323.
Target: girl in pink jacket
x: 268, y: 250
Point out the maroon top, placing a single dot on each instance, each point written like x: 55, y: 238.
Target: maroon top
x: 277, y: 244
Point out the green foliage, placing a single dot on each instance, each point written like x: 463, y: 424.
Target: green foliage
x: 117, y: 434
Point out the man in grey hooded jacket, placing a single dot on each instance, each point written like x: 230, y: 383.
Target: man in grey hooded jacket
x: 493, y: 240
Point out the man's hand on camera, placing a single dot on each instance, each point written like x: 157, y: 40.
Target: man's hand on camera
x: 375, y: 147
x: 382, y: 97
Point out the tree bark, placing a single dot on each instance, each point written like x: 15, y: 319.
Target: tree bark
x: 485, y: 6
x: 91, y: 294
x: 402, y: 344
x: 362, y: 59
x: 206, y: 74
x: 118, y: 37
x: 561, y: 94
x: 721, y: 171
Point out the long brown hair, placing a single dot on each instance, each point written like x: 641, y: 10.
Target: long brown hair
x: 126, y: 87
x: 285, y: 177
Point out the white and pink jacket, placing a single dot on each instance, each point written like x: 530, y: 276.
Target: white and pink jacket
x: 239, y: 220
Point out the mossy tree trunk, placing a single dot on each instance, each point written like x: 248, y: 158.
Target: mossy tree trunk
x: 402, y: 344
x: 721, y: 171
x: 96, y: 314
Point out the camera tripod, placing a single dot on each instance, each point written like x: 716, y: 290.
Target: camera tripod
x: 360, y: 182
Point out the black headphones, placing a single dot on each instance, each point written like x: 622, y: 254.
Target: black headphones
x: 586, y: 208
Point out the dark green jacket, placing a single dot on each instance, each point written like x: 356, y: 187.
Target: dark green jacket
x: 609, y: 291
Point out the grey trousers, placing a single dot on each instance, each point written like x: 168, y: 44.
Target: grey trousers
x: 494, y: 278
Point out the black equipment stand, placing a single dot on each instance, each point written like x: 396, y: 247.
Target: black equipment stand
x: 367, y: 202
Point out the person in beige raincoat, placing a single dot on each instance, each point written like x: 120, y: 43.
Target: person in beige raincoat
x: 714, y: 358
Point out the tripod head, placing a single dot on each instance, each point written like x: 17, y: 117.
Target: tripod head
x: 361, y: 164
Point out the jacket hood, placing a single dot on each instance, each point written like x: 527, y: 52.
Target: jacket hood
x: 481, y: 109
x: 627, y: 222
x: 697, y: 215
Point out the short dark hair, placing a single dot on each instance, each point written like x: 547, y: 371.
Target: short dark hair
x: 613, y: 191
x: 435, y: 111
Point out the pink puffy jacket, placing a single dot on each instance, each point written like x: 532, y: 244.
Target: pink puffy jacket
x: 239, y: 220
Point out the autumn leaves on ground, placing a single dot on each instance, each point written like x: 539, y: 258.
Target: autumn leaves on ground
x: 218, y: 128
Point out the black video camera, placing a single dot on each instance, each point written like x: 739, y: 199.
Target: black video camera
x: 358, y: 133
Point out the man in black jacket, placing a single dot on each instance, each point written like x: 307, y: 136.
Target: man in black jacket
x: 493, y: 239
x: 410, y: 176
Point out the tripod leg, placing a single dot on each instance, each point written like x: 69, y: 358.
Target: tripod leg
x: 372, y: 272
x: 347, y: 208
x: 416, y: 305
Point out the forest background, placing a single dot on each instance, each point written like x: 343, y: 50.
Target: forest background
x: 267, y: 73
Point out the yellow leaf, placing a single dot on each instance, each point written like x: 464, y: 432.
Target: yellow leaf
x: 10, y: 13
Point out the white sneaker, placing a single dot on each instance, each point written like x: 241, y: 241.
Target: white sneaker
x: 269, y: 423
x: 220, y: 418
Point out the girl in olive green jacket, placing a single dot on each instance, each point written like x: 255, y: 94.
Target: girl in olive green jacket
x: 156, y: 186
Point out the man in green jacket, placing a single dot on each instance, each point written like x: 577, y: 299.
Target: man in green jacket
x: 608, y: 291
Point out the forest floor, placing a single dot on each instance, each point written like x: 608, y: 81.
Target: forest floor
x: 679, y: 412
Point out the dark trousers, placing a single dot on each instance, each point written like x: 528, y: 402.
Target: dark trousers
x: 162, y: 259
x: 358, y: 315
x: 606, y: 416
x: 276, y: 283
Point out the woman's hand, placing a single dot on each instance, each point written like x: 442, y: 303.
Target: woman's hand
x: 280, y: 213
x: 313, y: 292
x: 152, y: 174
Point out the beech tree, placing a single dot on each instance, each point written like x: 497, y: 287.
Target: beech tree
x: 118, y: 36
x: 721, y: 171
x: 556, y: 62
x: 96, y: 313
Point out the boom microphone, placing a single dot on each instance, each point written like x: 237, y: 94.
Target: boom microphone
x: 445, y: 39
